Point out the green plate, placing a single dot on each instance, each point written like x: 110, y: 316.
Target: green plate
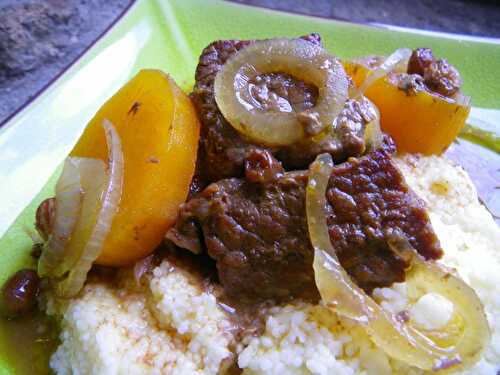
x: 170, y: 35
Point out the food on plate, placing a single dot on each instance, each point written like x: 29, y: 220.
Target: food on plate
x: 158, y: 129
x: 147, y: 134
x: 425, y: 89
x: 239, y: 224
x: 223, y: 149
x: 242, y: 93
x: 388, y: 331
x: 298, y: 238
x: 19, y: 293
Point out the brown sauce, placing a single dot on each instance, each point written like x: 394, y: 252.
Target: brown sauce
x: 27, y: 343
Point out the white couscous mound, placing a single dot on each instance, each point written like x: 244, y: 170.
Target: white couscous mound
x: 169, y: 327
x: 174, y: 326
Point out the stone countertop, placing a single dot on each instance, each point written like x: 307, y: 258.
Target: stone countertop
x: 38, y: 38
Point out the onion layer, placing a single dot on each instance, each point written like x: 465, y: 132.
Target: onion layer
x: 68, y: 203
x: 93, y: 179
x: 392, y: 62
x: 373, y: 132
x: 75, y: 183
x: 299, y: 58
x: 397, y: 338
x: 106, y: 206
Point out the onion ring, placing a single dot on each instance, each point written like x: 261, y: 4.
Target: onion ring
x: 397, y: 338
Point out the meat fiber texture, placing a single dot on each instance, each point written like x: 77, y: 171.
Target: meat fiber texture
x: 222, y: 150
x: 257, y: 233
x: 171, y: 325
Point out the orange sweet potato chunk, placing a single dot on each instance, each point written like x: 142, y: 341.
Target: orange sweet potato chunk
x: 159, y: 132
x: 419, y: 123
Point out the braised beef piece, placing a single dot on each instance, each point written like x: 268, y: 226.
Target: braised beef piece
x: 347, y: 139
x: 420, y: 60
x: 258, y: 236
x: 261, y: 166
x: 438, y: 75
x: 281, y: 92
x: 223, y: 151
x: 256, y: 233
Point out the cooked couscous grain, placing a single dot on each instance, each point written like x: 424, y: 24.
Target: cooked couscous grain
x: 173, y: 326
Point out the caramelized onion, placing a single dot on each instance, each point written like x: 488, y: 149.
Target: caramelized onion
x: 393, y: 62
x: 93, y: 179
x: 468, y: 309
x: 396, y: 337
x: 463, y: 100
x: 373, y: 133
x: 107, y: 207
x: 143, y: 266
x: 68, y: 203
x: 299, y: 58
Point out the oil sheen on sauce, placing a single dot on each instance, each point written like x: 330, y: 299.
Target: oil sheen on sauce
x: 26, y: 344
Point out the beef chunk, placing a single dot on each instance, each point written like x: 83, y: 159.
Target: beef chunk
x: 261, y: 166
x: 420, y: 60
x: 223, y: 150
x: 345, y: 138
x: 369, y: 198
x: 443, y: 78
x: 281, y: 92
x: 257, y: 233
x: 438, y: 75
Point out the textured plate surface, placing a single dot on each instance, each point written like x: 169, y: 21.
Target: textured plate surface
x: 170, y: 35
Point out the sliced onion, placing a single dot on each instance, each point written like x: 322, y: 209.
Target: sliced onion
x: 68, y: 203
x: 107, y: 208
x: 463, y: 100
x: 93, y: 178
x: 398, y: 339
x: 391, y: 63
x: 373, y: 132
x: 143, y: 266
x: 299, y: 58
x: 430, y: 276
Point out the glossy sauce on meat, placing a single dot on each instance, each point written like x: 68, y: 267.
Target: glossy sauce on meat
x: 425, y: 72
x: 346, y: 140
x: 223, y: 151
x: 368, y: 197
x: 281, y: 92
x: 258, y: 236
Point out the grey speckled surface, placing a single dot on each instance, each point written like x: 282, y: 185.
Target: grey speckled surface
x: 38, y: 38
x: 455, y: 16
